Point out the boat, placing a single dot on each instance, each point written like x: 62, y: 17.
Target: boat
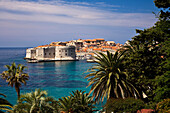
x: 32, y: 61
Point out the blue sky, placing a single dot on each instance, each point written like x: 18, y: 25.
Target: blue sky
x: 29, y: 23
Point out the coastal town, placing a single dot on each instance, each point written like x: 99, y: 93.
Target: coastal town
x: 71, y: 50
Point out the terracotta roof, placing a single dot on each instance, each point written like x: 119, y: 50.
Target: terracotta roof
x: 91, y: 54
x: 104, y: 50
x: 99, y: 39
x: 114, y: 47
x: 93, y: 40
x: 106, y: 47
x: 87, y: 40
x: 98, y: 49
x: 43, y: 46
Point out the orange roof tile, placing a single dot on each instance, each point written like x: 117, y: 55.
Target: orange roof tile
x: 43, y: 46
x: 114, y: 47
x: 99, y: 39
x: 91, y: 54
x: 104, y: 50
x: 87, y: 40
x: 98, y: 49
x: 106, y: 47
x: 93, y: 40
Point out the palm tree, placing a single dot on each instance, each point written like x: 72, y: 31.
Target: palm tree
x: 36, y: 102
x: 4, y: 104
x: 82, y: 102
x: 108, y: 78
x: 15, y: 76
x: 77, y: 102
x: 66, y: 104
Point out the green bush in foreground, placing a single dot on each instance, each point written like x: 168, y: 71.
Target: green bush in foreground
x: 130, y: 105
x: 163, y: 106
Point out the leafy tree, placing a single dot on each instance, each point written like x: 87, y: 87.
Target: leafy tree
x: 164, y: 6
x: 15, y: 76
x: 163, y: 106
x: 4, y: 104
x: 148, y: 65
x: 142, y: 64
x: 130, y: 105
x: 162, y: 3
x: 162, y: 82
x: 109, y: 79
x: 36, y: 102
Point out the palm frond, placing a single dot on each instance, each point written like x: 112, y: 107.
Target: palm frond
x: 108, y: 78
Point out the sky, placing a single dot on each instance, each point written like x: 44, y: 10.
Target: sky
x: 29, y: 23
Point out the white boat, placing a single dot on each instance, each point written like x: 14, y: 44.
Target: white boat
x: 32, y: 61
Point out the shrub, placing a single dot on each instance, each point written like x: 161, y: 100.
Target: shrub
x: 124, y: 105
x: 163, y: 106
x: 150, y: 105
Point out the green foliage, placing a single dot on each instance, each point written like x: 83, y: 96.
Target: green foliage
x: 147, y: 60
x: 36, y: 102
x: 4, y: 104
x: 15, y: 76
x: 164, y: 106
x: 124, y: 105
x: 150, y: 105
x: 163, y: 82
x: 164, y: 13
x: 82, y: 102
x: 77, y: 102
x: 108, y: 78
x: 162, y: 3
x: 66, y: 104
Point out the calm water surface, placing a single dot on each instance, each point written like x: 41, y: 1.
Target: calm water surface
x: 58, y: 78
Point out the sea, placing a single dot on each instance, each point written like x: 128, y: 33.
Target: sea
x: 58, y: 78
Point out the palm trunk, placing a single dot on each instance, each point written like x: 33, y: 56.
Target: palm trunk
x: 17, y: 90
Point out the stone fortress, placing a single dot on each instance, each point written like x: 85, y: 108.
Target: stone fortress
x: 51, y: 53
x: 70, y: 50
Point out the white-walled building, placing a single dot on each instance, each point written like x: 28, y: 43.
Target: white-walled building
x: 51, y: 53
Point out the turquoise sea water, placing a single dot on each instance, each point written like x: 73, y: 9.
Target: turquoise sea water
x: 58, y: 78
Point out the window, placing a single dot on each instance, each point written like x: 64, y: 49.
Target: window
x: 53, y: 53
x: 66, y: 54
x: 59, y: 50
x: 45, y: 53
x: 49, y: 53
x: 66, y: 51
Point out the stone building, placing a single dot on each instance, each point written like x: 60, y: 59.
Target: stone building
x: 51, y: 53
